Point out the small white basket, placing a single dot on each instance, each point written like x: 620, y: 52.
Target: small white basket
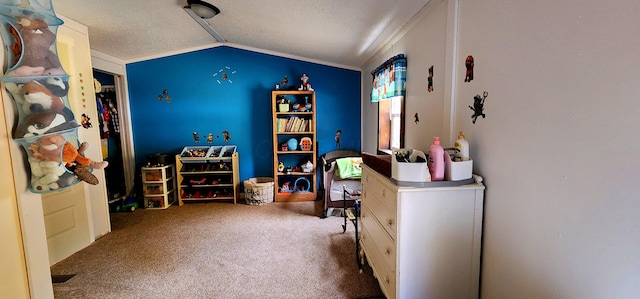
x: 258, y: 191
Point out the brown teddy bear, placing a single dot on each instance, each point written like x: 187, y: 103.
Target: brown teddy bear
x: 37, y: 40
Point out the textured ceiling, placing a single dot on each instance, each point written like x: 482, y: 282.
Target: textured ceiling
x: 339, y: 32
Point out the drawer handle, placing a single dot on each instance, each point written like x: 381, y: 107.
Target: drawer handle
x: 387, y: 251
x: 390, y: 221
x: 386, y: 279
x: 383, y: 193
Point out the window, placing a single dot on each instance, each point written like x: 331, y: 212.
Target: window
x: 388, y: 88
x: 391, y: 124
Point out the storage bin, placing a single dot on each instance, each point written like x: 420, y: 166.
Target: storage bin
x: 258, y: 191
x: 457, y: 171
x: 195, y: 152
x: 410, y: 171
x: 227, y: 151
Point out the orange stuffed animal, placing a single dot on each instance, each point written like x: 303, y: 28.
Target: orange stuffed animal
x: 53, y: 147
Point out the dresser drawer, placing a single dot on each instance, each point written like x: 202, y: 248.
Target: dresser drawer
x: 380, y: 186
x: 386, y: 275
x: 385, y: 245
x: 385, y: 214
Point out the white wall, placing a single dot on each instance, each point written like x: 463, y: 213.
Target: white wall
x: 558, y: 147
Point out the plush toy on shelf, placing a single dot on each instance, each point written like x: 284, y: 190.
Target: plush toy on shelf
x: 305, y: 83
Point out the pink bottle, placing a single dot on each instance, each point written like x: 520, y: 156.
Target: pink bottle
x: 436, y: 160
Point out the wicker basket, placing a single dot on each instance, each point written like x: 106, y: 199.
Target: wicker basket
x: 258, y: 191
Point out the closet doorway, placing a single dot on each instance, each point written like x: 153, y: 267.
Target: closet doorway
x: 109, y: 125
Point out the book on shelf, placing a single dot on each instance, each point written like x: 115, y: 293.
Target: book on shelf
x: 293, y: 124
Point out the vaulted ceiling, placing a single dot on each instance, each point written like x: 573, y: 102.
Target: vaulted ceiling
x: 344, y: 33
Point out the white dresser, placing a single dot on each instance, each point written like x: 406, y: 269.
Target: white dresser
x: 422, y: 242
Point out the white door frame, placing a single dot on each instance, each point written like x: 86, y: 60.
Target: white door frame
x: 111, y: 65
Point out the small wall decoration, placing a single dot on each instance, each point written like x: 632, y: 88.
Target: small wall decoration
x: 478, y: 106
x: 305, y: 85
x: 227, y: 136
x: 430, y: 80
x: 338, y: 133
x: 164, y: 96
x: 224, y: 74
x: 468, y: 63
x: 210, y: 138
x: 85, y: 121
x: 196, y: 138
x: 417, y: 119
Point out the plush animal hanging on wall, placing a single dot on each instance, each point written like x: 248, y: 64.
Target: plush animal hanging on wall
x: 37, y: 42
x: 54, y: 148
x: 40, y: 123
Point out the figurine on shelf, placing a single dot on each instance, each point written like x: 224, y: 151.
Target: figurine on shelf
x: 286, y: 189
x: 305, y: 83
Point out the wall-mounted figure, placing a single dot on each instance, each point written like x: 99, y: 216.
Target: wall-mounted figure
x: 469, y: 63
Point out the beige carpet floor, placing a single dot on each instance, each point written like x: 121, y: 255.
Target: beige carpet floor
x: 220, y: 250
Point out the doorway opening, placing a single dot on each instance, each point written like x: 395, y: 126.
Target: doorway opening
x: 110, y: 134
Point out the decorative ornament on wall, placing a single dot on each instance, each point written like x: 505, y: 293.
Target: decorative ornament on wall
x: 417, y: 119
x: 478, y: 106
x: 210, y: 138
x: 196, y: 138
x: 164, y: 96
x: 224, y: 74
x: 227, y: 136
x: 469, y: 63
x: 338, y: 133
x: 430, y: 80
x: 85, y: 121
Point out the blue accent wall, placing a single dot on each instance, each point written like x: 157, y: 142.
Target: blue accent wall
x: 202, y: 101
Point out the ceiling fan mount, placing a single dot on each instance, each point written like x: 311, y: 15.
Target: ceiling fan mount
x: 200, y: 11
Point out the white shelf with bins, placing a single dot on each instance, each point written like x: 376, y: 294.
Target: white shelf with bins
x: 211, y: 174
x: 159, y: 186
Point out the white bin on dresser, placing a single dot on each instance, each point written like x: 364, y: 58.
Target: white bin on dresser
x: 422, y: 242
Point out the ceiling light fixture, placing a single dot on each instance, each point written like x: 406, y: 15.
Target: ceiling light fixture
x: 199, y: 11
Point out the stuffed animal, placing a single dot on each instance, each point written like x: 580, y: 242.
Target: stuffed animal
x: 54, y: 148
x: 45, y: 174
x: 305, y: 83
x: 37, y: 40
x: 56, y: 85
x: 26, y: 71
x: 38, y: 98
x: 16, y: 46
x: 40, y: 123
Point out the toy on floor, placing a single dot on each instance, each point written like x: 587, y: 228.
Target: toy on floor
x: 128, y: 204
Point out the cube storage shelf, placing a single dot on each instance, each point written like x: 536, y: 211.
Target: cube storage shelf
x: 294, y: 145
x: 159, y: 186
x: 208, y: 173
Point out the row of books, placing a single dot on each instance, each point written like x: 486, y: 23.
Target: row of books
x: 293, y: 124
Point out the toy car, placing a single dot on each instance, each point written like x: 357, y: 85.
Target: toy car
x: 127, y: 205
